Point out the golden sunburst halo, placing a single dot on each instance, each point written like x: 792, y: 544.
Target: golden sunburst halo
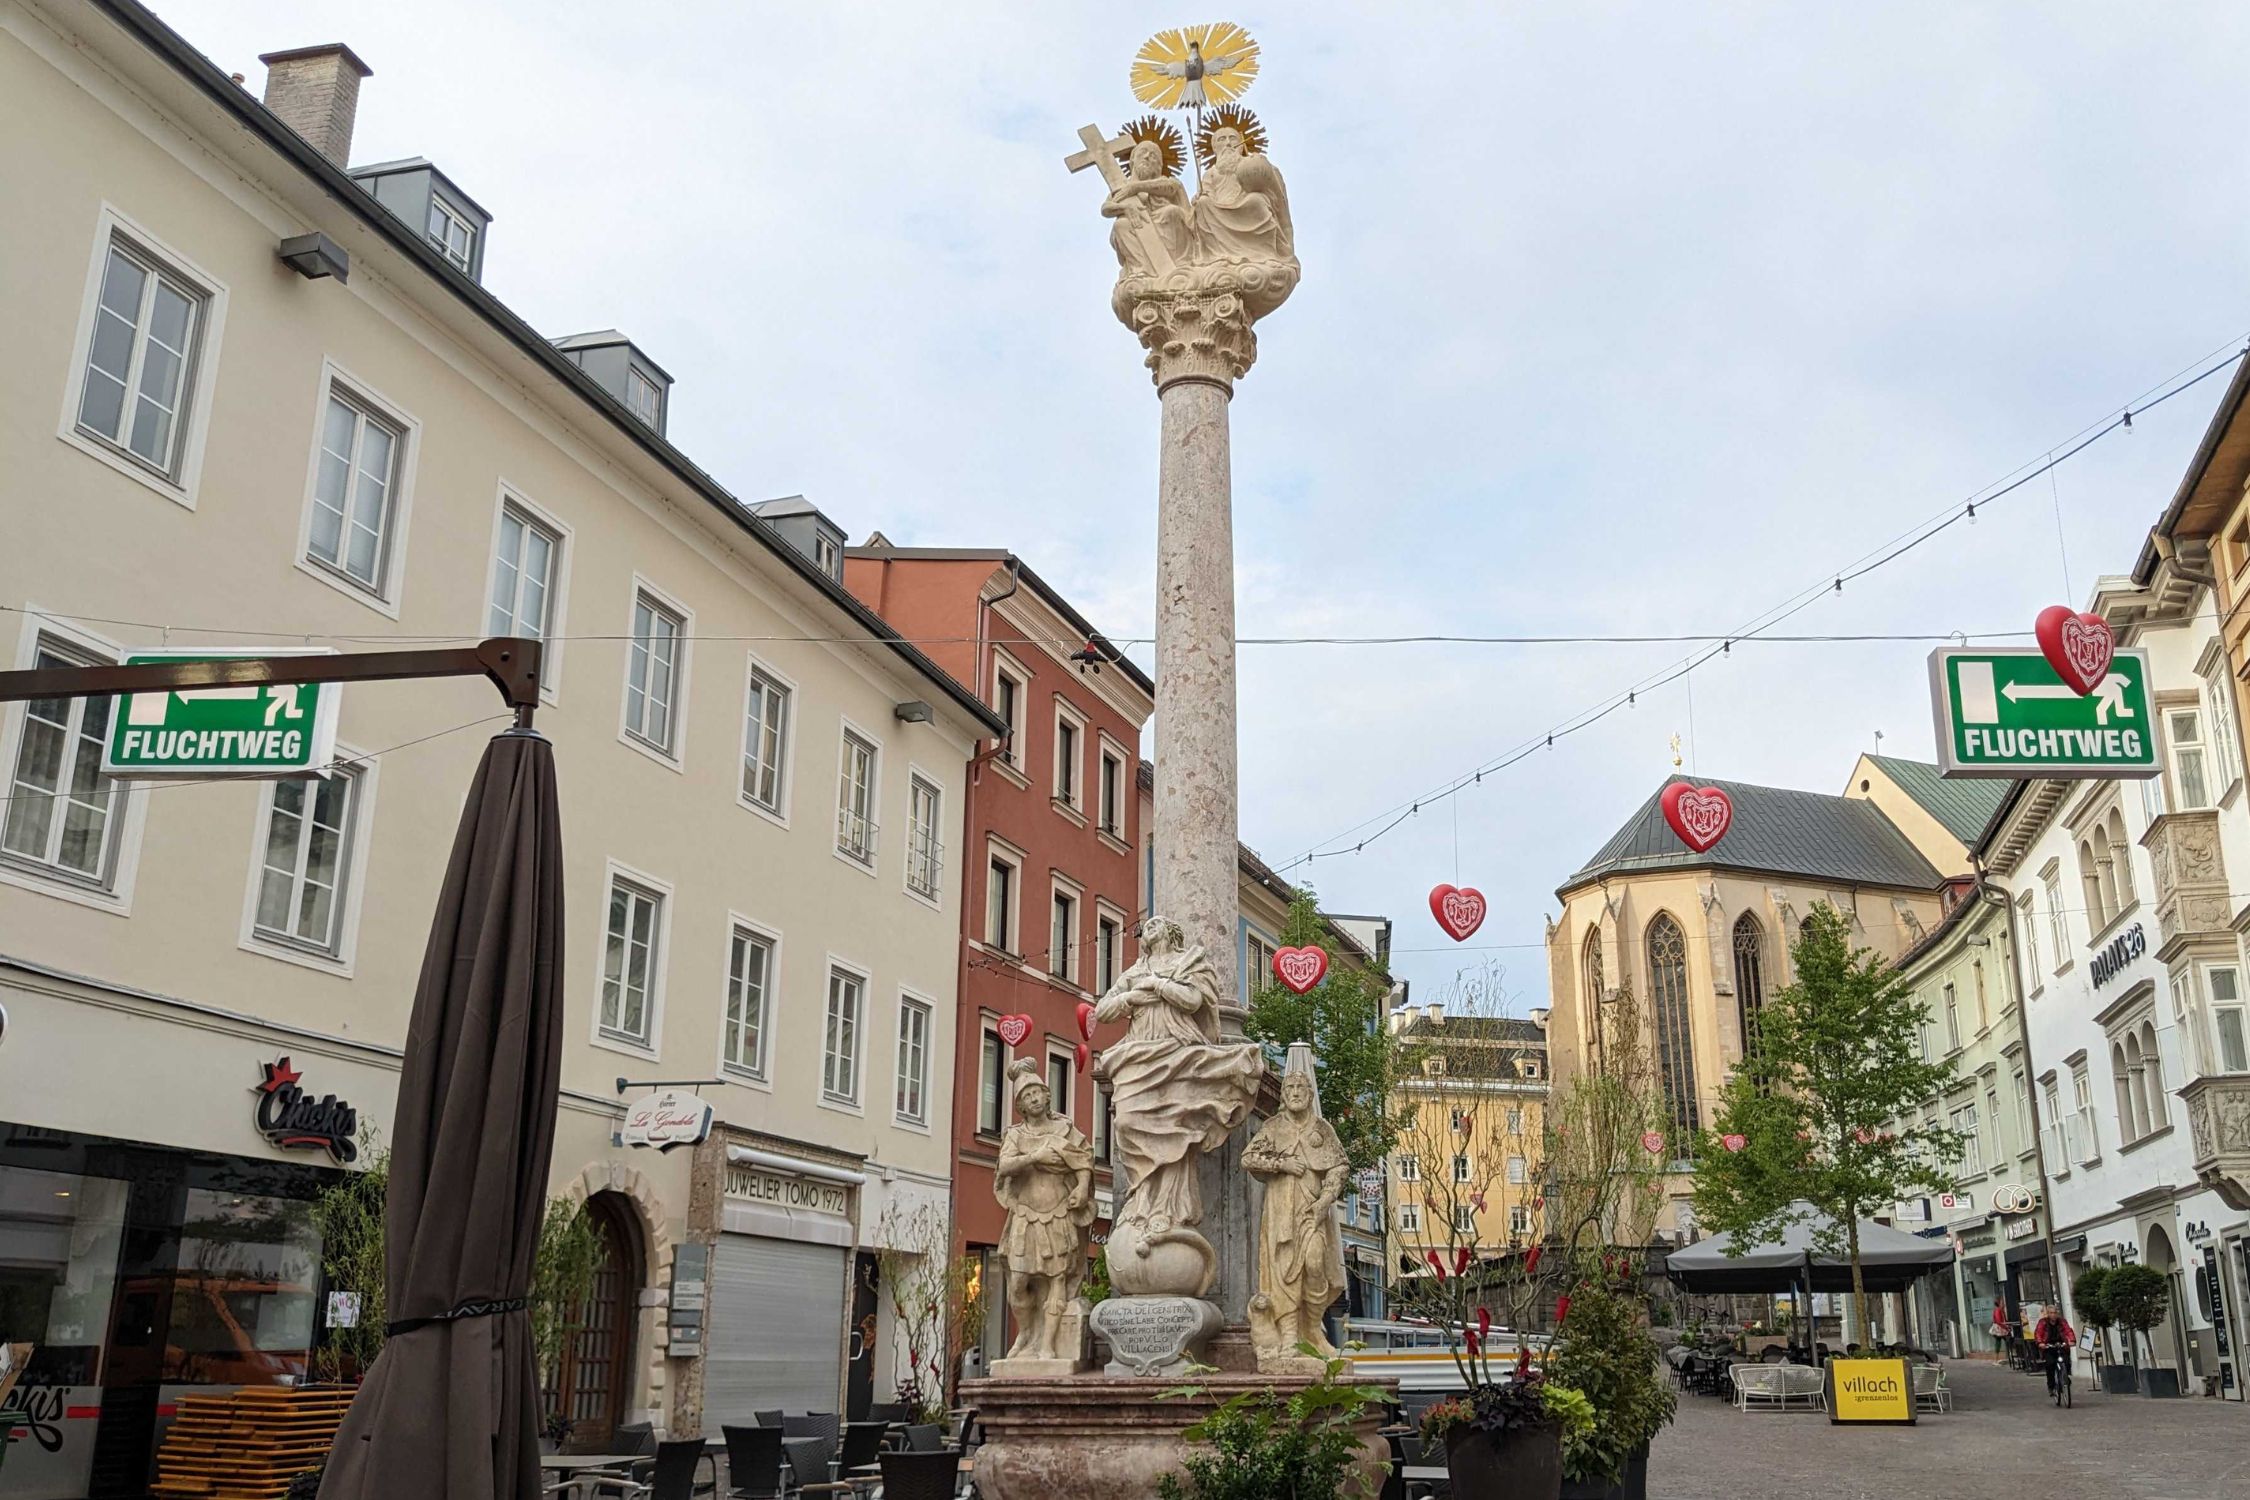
x: 1229, y: 117
x: 1230, y: 65
x: 1166, y: 137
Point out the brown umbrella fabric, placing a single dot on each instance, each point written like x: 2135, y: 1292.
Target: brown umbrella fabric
x: 450, y: 1410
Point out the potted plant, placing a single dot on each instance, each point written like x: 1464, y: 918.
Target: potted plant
x: 2089, y: 1295
x: 1261, y: 1445
x: 1504, y: 1442
x: 1610, y: 1358
x: 2137, y: 1297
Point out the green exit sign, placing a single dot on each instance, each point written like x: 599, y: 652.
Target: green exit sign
x: 287, y: 729
x: 2005, y: 713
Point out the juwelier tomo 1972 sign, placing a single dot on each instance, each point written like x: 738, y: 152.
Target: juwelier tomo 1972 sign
x: 293, y: 1120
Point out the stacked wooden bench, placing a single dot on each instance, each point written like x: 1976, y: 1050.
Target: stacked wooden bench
x: 248, y: 1445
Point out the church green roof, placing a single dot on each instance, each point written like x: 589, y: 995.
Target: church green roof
x: 1776, y: 830
x: 1963, y: 807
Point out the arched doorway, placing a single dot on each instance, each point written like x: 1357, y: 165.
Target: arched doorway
x: 2168, y: 1338
x: 594, y: 1378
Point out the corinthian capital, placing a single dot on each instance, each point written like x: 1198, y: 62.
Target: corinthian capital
x: 1196, y: 338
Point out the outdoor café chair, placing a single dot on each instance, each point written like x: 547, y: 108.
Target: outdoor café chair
x: 808, y: 1467
x: 924, y: 1437
x: 753, y: 1462
x: 1930, y: 1392
x: 933, y: 1475
x: 671, y: 1476
x: 768, y: 1418
x: 1759, y: 1385
x: 819, y: 1424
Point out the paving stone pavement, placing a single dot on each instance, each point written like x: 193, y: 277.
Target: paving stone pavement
x: 2003, y: 1441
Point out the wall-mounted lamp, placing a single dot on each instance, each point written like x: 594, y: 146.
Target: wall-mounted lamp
x: 913, y: 711
x: 315, y: 255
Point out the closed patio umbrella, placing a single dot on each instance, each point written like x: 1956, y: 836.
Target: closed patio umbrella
x: 1890, y: 1260
x: 450, y: 1410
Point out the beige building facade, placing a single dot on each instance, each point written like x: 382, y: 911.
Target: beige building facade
x: 212, y: 445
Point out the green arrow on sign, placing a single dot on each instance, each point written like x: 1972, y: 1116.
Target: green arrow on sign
x: 2005, y: 713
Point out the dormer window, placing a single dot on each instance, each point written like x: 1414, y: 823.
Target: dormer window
x: 453, y: 234
x: 644, y: 398
x: 828, y: 556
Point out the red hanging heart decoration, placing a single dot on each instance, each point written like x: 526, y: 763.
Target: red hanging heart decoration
x: 1652, y: 1141
x: 1086, y: 1019
x: 1300, y: 968
x: 1085, y: 1055
x: 1734, y: 1142
x: 1459, y: 910
x: 1700, y: 815
x: 2077, y: 644
x: 1013, y: 1029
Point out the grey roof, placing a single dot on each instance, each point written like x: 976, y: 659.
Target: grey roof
x: 1480, y: 1029
x: 1778, y: 830
x: 1963, y: 807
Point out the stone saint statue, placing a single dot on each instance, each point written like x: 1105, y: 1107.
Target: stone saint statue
x: 1175, y: 1093
x: 1299, y: 1158
x: 1149, y: 203
x: 1045, y: 1181
x: 1242, y: 209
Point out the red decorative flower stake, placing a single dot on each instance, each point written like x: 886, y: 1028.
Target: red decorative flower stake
x: 1700, y: 815
x: 1461, y: 1260
x: 1459, y: 910
x: 1300, y: 968
x: 1086, y: 1019
x: 1013, y: 1029
x: 1652, y: 1141
x: 1085, y: 1056
x: 1734, y: 1142
x: 1437, y: 1266
x: 1474, y: 1342
x: 1562, y: 1310
x: 1484, y: 1321
x: 2077, y: 644
x: 1531, y: 1261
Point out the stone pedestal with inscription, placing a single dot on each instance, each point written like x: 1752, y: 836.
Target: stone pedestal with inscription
x: 1156, y: 1335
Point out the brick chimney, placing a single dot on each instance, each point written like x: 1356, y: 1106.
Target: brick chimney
x: 315, y: 91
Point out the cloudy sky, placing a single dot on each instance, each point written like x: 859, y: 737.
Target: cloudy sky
x: 1616, y: 319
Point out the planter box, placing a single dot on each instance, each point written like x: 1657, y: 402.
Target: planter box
x: 2120, y: 1380
x: 1631, y: 1485
x: 1519, y: 1466
x: 2163, y: 1382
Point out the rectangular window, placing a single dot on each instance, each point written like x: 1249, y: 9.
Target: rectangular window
x: 1007, y: 701
x: 2226, y: 749
x: 1519, y: 1219
x: 765, y: 741
x: 2055, y: 928
x: 354, y: 488
x: 2185, y: 726
x: 925, y: 853
x: 2061, y: 1134
x: 1067, y: 737
x: 839, y: 1070
x: 1992, y: 1152
x: 453, y: 234
x: 1109, y: 946
x: 2023, y: 1111
x: 2230, y: 1040
x: 1409, y: 1218
x: 1000, y: 905
x: 1062, y: 940
x: 1260, y: 962
x: 1101, y: 1123
x: 1409, y: 1169
x: 2152, y: 798
x: 912, y: 1094
x: 1058, y: 1083
x: 307, y: 856
x: 1464, y: 1218
x: 1515, y: 1119
x: 1113, y: 794
x: 644, y: 398
x: 523, y: 576
x: 749, y: 981
x: 2030, y: 937
x: 1460, y: 1167
x: 992, y: 1072
x: 855, y: 801
x: 1456, y: 1118
x: 2082, y: 1108
x: 140, y: 361
x: 63, y: 815
x: 1952, y: 1019
x: 631, y: 962
x: 1964, y: 1120
x: 652, y: 674
x: 1516, y: 1170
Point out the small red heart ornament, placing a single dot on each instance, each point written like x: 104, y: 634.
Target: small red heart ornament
x: 1700, y: 815
x: 1734, y: 1142
x: 1652, y: 1141
x: 2077, y: 644
x: 1085, y: 1056
x: 1086, y: 1019
x: 1300, y: 968
x: 1013, y: 1029
x: 1460, y: 911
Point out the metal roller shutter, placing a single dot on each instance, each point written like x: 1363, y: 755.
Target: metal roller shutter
x: 777, y: 1328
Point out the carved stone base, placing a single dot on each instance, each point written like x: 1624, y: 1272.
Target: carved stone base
x: 1156, y: 1335
x: 1037, y: 1369
x: 1071, y: 1336
x: 1095, y: 1437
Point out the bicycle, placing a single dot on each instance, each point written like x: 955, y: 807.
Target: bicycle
x: 2058, y: 1374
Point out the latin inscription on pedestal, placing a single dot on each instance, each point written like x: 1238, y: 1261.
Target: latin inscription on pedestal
x: 1155, y: 1335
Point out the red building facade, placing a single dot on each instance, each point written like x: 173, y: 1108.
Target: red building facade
x: 1048, y: 838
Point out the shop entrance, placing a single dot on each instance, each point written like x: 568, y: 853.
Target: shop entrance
x: 594, y: 1377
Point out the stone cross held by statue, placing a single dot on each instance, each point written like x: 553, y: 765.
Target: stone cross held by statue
x: 1102, y: 155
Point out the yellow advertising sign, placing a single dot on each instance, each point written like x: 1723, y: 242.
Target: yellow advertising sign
x: 1870, y: 1390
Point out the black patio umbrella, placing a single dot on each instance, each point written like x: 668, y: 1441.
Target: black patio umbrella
x: 450, y: 1410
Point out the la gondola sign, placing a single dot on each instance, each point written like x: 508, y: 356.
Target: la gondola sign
x: 284, y: 729
x: 2005, y: 713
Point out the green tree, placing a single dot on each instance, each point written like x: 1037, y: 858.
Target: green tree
x: 2138, y: 1298
x: 1835, y: 1059
x: 1344, y: 1017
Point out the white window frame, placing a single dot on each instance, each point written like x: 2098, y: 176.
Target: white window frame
x: 2238, y: 1006
x: 925, y: 850
x: 616, y: 873
x: 2200, y: 746
x: 112, y: 892
x: 2219, y: 714
x: 1952, y: 1017
x: 1409, y: 1167
x: 1464, y: 1218
x: 784, y: 752
x: 672, y: 755
x: 359, y: 839
x: 1072, y: 797
x: 1064, y: 966
x: 1257, y: 959
x: 1011, y: 942
x: 340, y: 384
x: 828, y: 555
x: 1108, y: 753
x: 846, y: 733
x: 1963, y: 1119
x: 1464, y: 1170
x: 637, y: 381
x: 1410, y: 1218
x: 829, y: 1099
x: 1012, y: 754
x: 989, y: 1044
x: 556, y: 632
x: 1108, y: 917
x: 759, y: 1074
x: 1519, y: 1171
x: 180, y: 483
x: 1519, y: 1218
x: 2082, y: 1105
x: 2057, y: 928
x: 2024, y: 910
x: 911, y: 1005
x: 466, y: 261
x: 1059, y: 1065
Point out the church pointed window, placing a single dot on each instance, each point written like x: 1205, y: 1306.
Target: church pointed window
x: 1675, y: 1039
